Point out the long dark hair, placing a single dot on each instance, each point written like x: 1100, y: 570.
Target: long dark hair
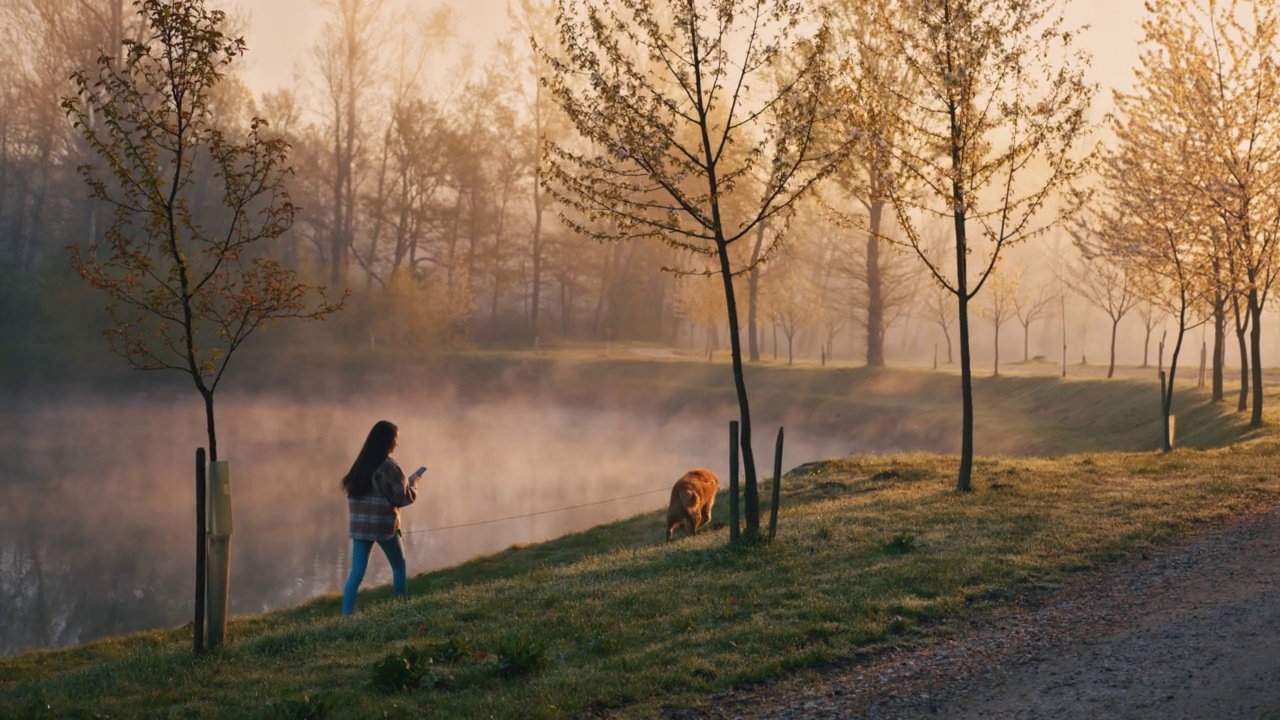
x: 359, y: 479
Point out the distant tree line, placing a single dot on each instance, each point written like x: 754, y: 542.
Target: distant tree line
x: 420, y: 170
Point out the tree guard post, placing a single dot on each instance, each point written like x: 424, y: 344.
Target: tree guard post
x: 777, y: 486
x: 219, y: 550
x: 1166, y: 417
x: 202, y: 547
x: 733, y: 482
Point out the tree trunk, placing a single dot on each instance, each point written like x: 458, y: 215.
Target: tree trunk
x: 753, y: 289
x: 539, y: 205
x: 996, y: 373
x: 1242, y: 327
x: 209, y: 424
x: 1219, y: 345
x: 379, y: 209
x: 875, y: 291
x: 964, y: 480
x: 1167, y: 404
x: 336, y: 245
x: 597, y: 320
x: 1255, y: 343
x: 1111, y: 368
x: 751, y: 493
x: 41, y: 603
x: 564, y: 305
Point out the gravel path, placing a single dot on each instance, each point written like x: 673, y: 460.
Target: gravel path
x: 1190, y: 631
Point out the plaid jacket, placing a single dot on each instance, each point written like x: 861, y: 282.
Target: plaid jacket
x: 376, y: 516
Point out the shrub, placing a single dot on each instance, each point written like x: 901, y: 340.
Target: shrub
x: 400, y: 670
x: 517, y: 656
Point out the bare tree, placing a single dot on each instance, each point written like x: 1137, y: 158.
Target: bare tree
x: 347, y: 56
x: 40, y: 205
x: 937, y: 307
x: 794, y: 301
x: 535, y: 21
x: 935, y: 304
x: 1107, y: 286
x: 1030, y: 306
x: 1151, y: 315
x: 1000, y: 306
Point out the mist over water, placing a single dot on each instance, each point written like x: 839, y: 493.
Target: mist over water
x: 97, y: 528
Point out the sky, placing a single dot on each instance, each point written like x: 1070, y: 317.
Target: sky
x: 282, y: 32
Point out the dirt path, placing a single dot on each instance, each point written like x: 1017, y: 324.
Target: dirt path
x: 1191, y: 631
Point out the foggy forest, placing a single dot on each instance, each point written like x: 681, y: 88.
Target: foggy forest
x: 419, y: 170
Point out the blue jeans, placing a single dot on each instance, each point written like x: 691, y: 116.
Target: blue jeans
x: 360, y: 550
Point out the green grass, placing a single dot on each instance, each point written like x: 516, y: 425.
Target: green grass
x: 873, y: 552
x: 627, y: 625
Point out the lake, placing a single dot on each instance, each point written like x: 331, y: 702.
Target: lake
x: 97, y: 528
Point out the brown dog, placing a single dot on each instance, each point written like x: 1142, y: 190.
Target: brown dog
x: 691, y: 499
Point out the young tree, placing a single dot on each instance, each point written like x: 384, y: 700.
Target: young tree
x: 825, y: 255
x: 1000, y: 109
x: 673, y: 122
x: 1001, y: 304
x: 1234, y: 101
x: 1196, y: 156
x: 1107, y: 286
x: 188, y: 283
x: 1142, y: 214
x: 794, y: 300
x: 937, y: 308
x: 1029, y: 306
x: 1150, y: 315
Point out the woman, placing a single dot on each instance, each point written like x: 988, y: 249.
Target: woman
x: 376, y: 490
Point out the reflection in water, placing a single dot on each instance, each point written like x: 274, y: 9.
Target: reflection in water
x: 97, y: 532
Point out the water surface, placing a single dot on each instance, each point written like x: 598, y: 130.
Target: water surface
x: 97, y: 528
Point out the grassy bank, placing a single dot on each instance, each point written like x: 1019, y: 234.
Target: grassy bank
x: 873, y: 551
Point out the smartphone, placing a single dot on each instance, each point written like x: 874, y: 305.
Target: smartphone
x: 420, y: 471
